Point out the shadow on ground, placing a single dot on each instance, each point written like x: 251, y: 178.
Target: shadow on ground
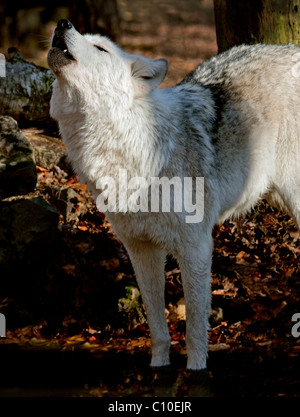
x: 51, y: 373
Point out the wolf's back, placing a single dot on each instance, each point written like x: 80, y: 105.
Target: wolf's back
x: 246, y: 64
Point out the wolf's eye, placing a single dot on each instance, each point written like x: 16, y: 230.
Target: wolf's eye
x: 100, y: 49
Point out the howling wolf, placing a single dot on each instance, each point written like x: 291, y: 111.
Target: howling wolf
x: 234, y: 122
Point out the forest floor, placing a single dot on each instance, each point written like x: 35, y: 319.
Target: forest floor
x: 79, y: 328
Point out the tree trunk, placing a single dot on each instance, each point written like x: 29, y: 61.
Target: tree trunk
x: 97, y: 16
x: 256, y: 21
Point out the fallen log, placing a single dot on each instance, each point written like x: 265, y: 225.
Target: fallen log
x: 25, y: 90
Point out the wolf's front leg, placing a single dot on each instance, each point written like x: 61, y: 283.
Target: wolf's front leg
x: 148, y: 262
x: 195, y: 265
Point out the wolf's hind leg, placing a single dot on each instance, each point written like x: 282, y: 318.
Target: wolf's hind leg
x: 287, y: 197
x: 287, y: 180
x: 292, y: 201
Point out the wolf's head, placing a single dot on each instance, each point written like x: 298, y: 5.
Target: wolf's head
x: 94, y: 63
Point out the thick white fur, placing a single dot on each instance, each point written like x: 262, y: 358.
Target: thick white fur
x: 235, y: 121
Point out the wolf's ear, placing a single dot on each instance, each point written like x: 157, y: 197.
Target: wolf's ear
x: 149, y: 72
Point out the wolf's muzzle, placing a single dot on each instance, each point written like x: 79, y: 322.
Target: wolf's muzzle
x: 59, y: 55
x: 58, y: 40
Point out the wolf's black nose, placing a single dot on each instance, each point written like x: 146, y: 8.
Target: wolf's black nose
x: 64, y: 24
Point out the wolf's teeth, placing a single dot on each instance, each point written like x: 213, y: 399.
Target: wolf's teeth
x: 65, y: 51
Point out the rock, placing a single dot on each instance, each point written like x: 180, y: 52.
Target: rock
x: 25, y: 91
x: 28, y: 232
x: 48, y: 150
x: 17, y: 166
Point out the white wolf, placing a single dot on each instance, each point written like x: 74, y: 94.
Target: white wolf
x: 234, y: 121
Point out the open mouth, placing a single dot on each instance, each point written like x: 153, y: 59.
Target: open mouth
x: 59, y: 43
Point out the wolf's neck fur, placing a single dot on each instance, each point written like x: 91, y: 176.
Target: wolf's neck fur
x: 133, y: 139
x: 140, y: 139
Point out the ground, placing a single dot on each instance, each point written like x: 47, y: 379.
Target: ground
x: 82, y: 330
